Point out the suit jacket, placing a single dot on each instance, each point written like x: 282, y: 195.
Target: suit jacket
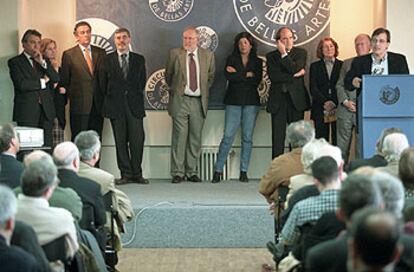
x: 115, y: 88
x: 10, y: 171
x: 176, y: 77
x: 342, y: 93
x: 281, y: 71
x: 397, y: 64
x: 242, y: 90
x: 15, y: 259
x: 375, y: 161
x: 27, y: 89
x: 89, y: 192
x: 82, y: 87
x: 320, y: 84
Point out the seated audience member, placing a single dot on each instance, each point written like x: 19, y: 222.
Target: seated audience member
x: 286, y: 165
x: 312, y: 151
x: 378, y: 159
x: 406, y: 171
x: 12, y: 258
x: 89, y: 148
x: 11, y: 169
x: 394, y: 145
x: 308, y: 211
x: 38, y: 183
x: 374, y: 241
x: 408, y: 216
x: 66, y: 157
x: 65, y: 198
x: 332, y: 255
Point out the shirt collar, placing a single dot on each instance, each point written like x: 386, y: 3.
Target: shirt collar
x: 195, y: 52
x: 27, y: 56
x: 83, y: 48
x: 38, y: 201
x: 381, y: 60
x: 120, y: 54
x: 9, y: 154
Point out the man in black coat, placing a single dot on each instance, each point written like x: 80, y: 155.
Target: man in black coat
x: 288, y: 97
x: 30, y: 73
x: 10, y: 168
x: 122, y: 80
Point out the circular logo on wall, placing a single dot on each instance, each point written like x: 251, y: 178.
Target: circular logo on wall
x: 263, y: 18
x: 389, y: 95
x: 264, y: 86
x: 156, y: 90
x: 171, y: 10
x: 208, y: 38
x: 102, y: 32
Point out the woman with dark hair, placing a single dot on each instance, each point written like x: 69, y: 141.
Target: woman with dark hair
x: 48, y: 49
x: 243, y: 72
x: 324, y: 74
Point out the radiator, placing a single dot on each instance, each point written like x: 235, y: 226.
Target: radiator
x: 208, y: 158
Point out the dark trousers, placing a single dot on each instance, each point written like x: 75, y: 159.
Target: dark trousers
x: 43, y: 123
x: 81, y: 122
x: 129, y: 143
x: 287, y: 114
x: 322, y: 129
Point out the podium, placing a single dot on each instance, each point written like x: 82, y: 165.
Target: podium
x: 385, y: 101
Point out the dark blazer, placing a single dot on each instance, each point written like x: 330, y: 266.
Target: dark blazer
x: 15, y: 259
x: 88, y: 190
x: 82, y: 87
x: 25, y: 237
x: 60, y: 101
x: 10, y: 171
x: 27, y: 89
x: 397, y: 64
x: 242, y: 90
x: 115, y: 87
x: 375, y: 161
x: 320, y: 84
x: 281, y: 71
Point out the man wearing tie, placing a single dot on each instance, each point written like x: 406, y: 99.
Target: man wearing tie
x: 79, y: 77
x: 122, y: 79
x: 189, y: 74
x: 33, y: 100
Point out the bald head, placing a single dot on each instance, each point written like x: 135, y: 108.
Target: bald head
x: 66, y: 155
x: 394, y: 144
x: 35, y: 156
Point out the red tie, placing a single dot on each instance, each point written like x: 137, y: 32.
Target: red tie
x: 193, y: 73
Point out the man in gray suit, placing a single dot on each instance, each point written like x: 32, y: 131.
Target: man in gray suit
x: 346, y: 113
x: 189, y: 74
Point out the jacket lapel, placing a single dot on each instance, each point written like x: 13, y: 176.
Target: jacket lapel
x: 82, y: 59
x: 183, y: 63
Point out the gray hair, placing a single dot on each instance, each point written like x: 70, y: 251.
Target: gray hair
x: 394, y: 144
x: 300, y: 133
x: 64, y: 154
x: 317, y: 148
x: 385, y: 133
x: 39, y: 176
x: 7, y: 134
x: 88, y: 144
x: 392, y: 192
x: 8, y: 205
x: 36, y: 155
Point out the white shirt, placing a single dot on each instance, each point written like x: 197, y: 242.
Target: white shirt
x: 187, y: 90
x: 381, y: 67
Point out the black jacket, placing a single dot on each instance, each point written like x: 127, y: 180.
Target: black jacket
x: 242, y: 90
x: 15, y: 259
x: 10, y: 171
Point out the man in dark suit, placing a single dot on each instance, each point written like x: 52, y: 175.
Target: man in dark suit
x: 122, y: 80
x: 379, y: 62
x: 189, y: 73
x: 33, y: 100
x: 79, y: 71
x: 288, y: 97
x: 10, y: 168
x: 66, y: 158
x: 12, y: 258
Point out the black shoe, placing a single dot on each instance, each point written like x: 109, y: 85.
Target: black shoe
x: 217, y: 177
x: 122, y: 181
x: 194, y: 178
x: 140, y: 180
x: 177, y: 179
x: 243, y: 177
x: 278, y: 250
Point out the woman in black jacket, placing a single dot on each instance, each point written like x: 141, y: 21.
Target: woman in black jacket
x: 323, y: 77
x: 243, y: 71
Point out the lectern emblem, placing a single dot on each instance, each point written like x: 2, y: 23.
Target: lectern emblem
x: 171, y: 10
x: 389, y: 95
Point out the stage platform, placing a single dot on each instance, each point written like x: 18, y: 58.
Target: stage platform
x: 203, y: 215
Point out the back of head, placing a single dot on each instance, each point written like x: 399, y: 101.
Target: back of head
x: 88, y: 144
x: 38, y: 177
x: 317, y: 148
x: 394, y: 144
x: 385, y: 133
x: 7, y: 134
x: 300, y: 133
x: 375, y: 236
x: 357, y: 192
x: 64, y: 154
x: 406, y: 168
x: 8, y: 205
x: 35, y: 156
x: 325, y: 170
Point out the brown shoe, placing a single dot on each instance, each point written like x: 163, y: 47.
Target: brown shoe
x: 122, y: 181
x: 177, y: 179
x: 140, y: 180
